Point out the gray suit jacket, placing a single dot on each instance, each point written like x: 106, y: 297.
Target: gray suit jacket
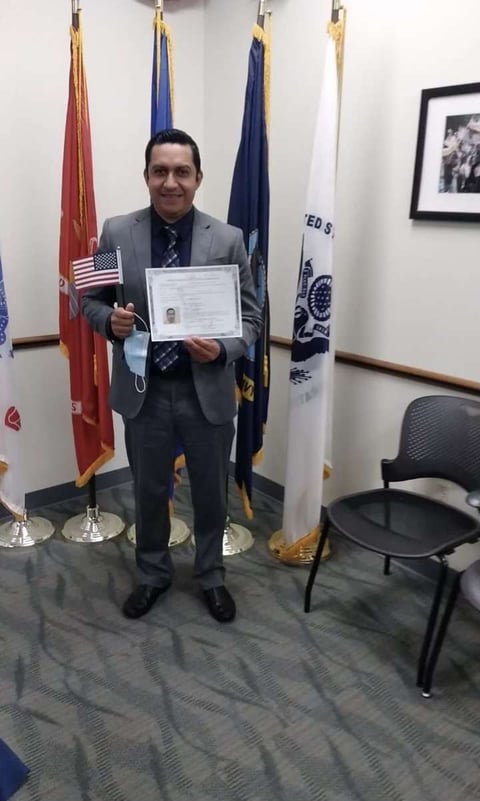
x: 213, y: 242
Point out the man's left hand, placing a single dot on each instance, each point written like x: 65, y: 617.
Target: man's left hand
x: 202, y: 350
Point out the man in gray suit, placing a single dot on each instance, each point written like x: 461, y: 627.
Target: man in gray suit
x: 188, y: 390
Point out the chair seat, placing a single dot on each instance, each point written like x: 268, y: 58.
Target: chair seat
x: 401, y: 524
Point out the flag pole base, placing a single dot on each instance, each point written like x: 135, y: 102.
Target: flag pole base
x: 25, y: 532
x: 304, y: 555
x: 179, y: 533
x: 236, y: 539
x: 93, y: 526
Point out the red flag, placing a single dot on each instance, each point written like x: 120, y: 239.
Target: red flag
x: 85, y: 350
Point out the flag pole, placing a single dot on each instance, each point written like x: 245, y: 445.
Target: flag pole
x: 261, y: 13
x: 303, y: 551
x: 179, y: 530
x: 92, y: 526
x: 238, y: 538
x: 92, y: 488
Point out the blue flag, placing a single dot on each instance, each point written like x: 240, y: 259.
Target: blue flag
x: 162, y: 76
x: 250, y: 210
x: 12, y: 772
x: 162, y: 118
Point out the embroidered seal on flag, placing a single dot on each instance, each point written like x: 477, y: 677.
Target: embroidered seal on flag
x: 311, y: 332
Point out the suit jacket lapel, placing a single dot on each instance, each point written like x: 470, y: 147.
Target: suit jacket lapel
x: 142, y: 247
x: 201, y: 239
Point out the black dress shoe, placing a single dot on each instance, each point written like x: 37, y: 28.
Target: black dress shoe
x: 141, y: 600
x: 220, y: 604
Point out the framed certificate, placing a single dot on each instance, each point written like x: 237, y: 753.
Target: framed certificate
x: 194, y: 302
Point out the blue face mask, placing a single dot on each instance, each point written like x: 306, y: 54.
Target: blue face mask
x: 135, y: 349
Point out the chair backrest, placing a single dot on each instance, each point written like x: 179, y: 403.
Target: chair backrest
x: 440, y: 438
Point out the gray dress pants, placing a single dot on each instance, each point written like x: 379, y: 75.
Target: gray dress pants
x: 171, y: 410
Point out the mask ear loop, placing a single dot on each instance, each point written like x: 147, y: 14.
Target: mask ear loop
x: 140, y: 391
x: 143, y: 321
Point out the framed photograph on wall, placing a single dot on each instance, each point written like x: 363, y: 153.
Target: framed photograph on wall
x: 446, y: 181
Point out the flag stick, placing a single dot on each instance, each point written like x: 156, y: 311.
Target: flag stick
x: 238, y: 538
x: 303, y: 551
x: 261, y: 13
x: 159, y: 7
x: 335, y: 10
x: 93, y: 526
x: 120, y: 287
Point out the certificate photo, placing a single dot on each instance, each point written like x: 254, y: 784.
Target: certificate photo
x: 194, y: 302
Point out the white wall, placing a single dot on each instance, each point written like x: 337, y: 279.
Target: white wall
x: 42, y: 389
x: 391, y: 274
x: 404, y: 289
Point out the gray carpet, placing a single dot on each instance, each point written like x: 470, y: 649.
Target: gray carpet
x: 278, y: 706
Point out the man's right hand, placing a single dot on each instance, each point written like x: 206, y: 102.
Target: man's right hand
x: 122, y: 321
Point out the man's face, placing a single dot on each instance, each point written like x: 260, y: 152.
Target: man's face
x: 172, y: 180
x: 170, y: 315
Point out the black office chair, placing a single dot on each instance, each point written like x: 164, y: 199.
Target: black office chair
x: 468, y: 583
x: 440, y: 438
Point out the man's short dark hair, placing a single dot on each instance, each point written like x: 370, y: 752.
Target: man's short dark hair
x: 173, y: 136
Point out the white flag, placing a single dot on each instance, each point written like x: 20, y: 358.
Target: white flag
x: 12, y: 490
x: 311, y: 372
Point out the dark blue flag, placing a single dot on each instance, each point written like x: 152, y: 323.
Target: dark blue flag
x: 250, y: 210
x: 12, y: 772
x: 162, y: 118
x: 162, y: 76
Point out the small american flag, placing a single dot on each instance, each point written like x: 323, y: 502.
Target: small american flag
x: 101, y: 269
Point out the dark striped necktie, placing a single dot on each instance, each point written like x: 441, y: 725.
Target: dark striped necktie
x: 165, y: 354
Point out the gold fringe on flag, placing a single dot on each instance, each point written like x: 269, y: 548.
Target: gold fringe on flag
x: 107, y: 454
x: 76, y: 37
x: 162, y: 29
x: 264, y: 37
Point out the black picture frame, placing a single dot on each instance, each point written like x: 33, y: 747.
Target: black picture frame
x: 447, y: 148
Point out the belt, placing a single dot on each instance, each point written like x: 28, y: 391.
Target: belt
x: 171, y: 375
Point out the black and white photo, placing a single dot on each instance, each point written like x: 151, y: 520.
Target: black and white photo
x: 460, y: 165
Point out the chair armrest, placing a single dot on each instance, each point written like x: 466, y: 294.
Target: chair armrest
x: 473, y: 498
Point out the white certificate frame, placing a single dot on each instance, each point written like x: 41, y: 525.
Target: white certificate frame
x: 197, y: 301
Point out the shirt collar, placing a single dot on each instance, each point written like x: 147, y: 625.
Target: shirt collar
x: 183, y: 226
